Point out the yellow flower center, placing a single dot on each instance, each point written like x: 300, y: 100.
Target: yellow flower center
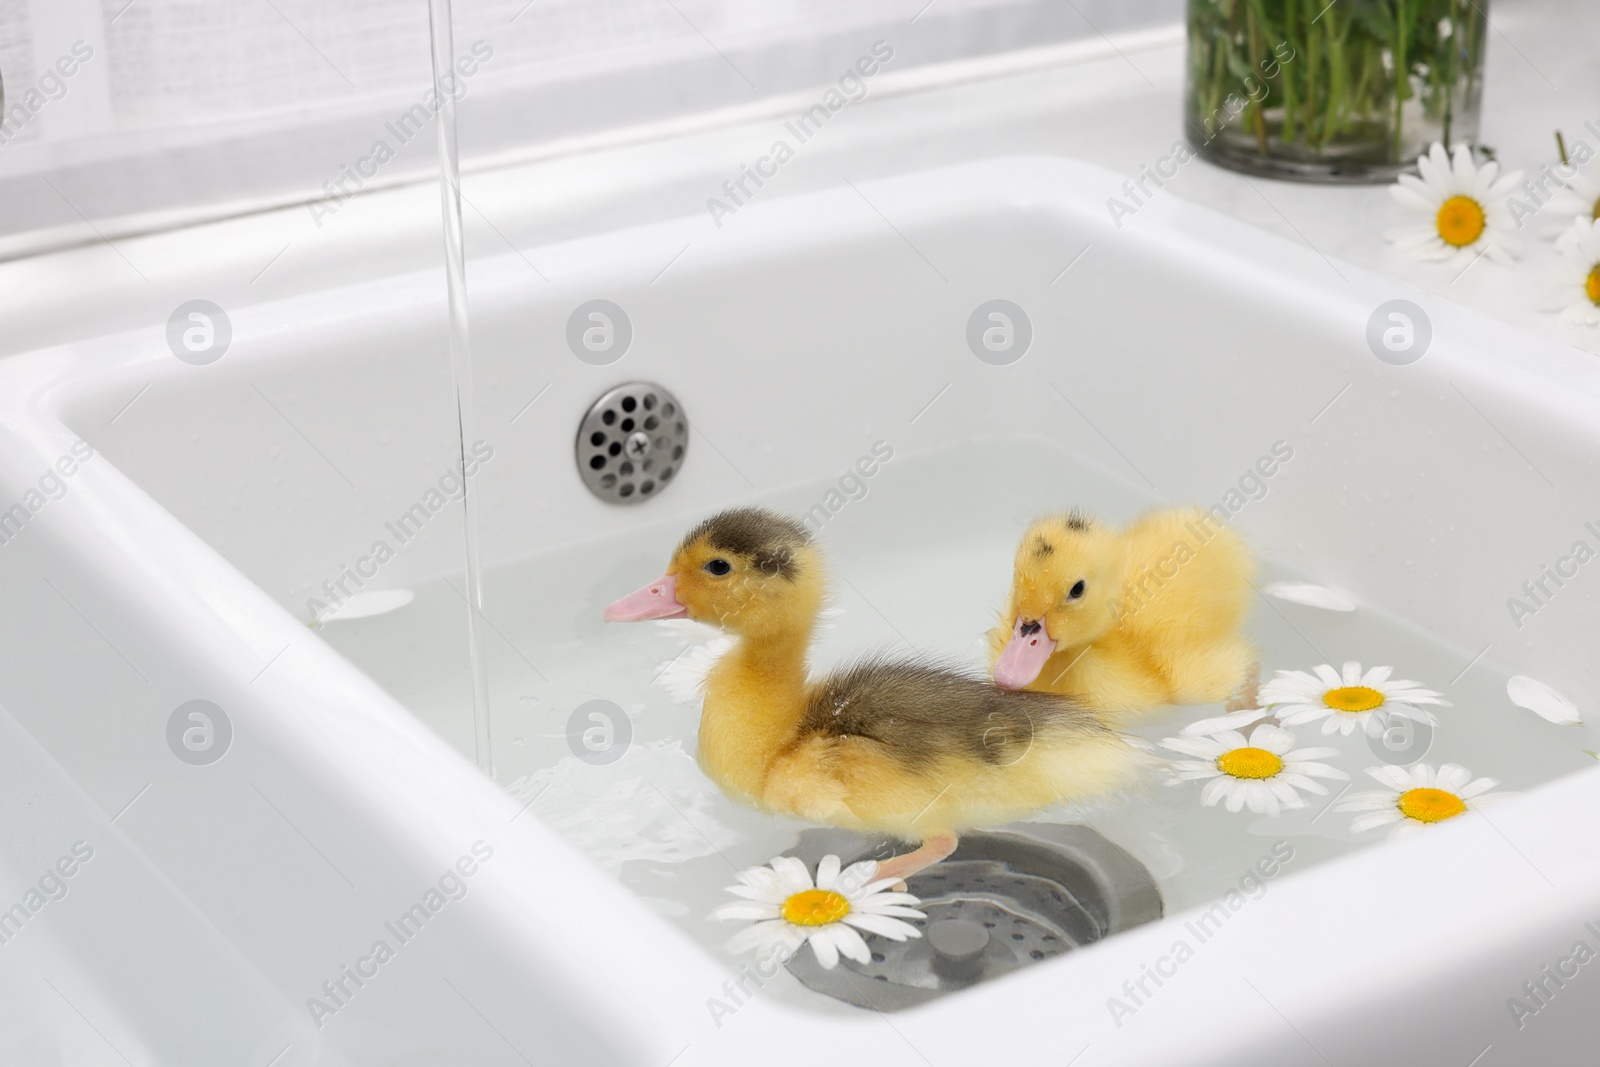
x: 1352, y: 698
x: 1460, y: 221
x: 1249, y: 763
x: 815, y: 907
x: 1430, y: 805
x: 1595, y: 214
x: 1591, y: 285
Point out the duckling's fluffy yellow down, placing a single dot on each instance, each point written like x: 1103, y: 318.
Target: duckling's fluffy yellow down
x: 1128, y: 619
x: 897, y: 746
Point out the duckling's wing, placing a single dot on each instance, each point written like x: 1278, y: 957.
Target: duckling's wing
x: 922, y: 713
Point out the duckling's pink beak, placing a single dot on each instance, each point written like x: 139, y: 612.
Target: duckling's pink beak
x: 1024, y: 655
x: 658, y: 600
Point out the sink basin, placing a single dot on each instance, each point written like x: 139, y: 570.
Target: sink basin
x: 326, y: 791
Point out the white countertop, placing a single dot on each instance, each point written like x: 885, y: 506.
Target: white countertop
x: 1115, y: 102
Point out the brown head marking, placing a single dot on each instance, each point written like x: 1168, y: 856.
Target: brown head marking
x: 770, y: 541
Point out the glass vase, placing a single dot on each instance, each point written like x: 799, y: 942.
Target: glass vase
x: 1349, y: 91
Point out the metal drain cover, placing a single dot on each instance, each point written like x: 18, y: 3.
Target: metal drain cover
x: 1006, y: 899
x: 631, y: 443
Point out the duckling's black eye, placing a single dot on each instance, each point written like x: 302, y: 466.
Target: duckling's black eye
x: 1076, y: 591
x: 718, y: 567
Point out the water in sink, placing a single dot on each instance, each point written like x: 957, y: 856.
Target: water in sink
x: 922, y: 562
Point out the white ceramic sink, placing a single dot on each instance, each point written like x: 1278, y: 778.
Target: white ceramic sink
x: 1167, y: 358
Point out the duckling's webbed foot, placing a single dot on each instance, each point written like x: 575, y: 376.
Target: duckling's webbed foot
x: 934, y: 848
x: 1249, y: 694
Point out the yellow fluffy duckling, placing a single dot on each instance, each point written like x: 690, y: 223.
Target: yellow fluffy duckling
x: 1129, y: 619
x: 901, y: 747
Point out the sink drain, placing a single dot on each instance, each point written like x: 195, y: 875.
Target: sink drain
x: 1005, y: 900
x: 631, y: 443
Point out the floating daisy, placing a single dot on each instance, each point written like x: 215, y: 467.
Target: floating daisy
x: 1575, y: 277
x: 1416, y: 797
x: 1349, y: 701
x: 1264, y: 772
x: 1462, y: 209
x: 789, y: 910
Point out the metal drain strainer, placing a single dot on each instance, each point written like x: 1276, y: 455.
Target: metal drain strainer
x: 1006, y: 899
x: 631, y: 443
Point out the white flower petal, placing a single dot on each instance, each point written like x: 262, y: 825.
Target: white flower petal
x: 745, y: 909
x: 1421, y: 776
x: 1185, y: 771
x: 1203, y: 747
x: 763, y: 880
x: 1313, y: 596
x: 1303, y: 710
x: 880, y: 901
x: 1296, y: 780
x: 751, y: 893
x: 1483, y: 183
x: 857, y: 881
x: 822, y: 945
x: 1231, y: 721
x: 1542, y: 700
x: 792, y: 874
x: 1261, y: 799
x: 1216, y: 789
x: 1369, y: 801
x: 1318, y: 770
x: 1434, y: 166
x: 1416, y: 199
x: 1363, y: 823
x: 763, y: 935
x: 1396, y: 778
x: 1274, y: 739
x: 883, y: 926
x: 1451, y: 777
x: 1286, y: 795
x: 849, y: 943
x: 1398, y: 693
x: 898, y: 911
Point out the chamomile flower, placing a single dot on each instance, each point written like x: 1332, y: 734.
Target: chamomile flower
x: 1349, y: 701
x: 1575, y: 278
x: 1462, y: 210
x: 1264, y: 772
x: 790, y: 910
x: 1417, y: 797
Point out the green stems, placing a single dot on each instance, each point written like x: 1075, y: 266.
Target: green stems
x: 1401, y: 81
x: 1310, y: 82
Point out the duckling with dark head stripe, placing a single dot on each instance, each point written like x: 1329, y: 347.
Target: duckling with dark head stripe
x: 898, y: 746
